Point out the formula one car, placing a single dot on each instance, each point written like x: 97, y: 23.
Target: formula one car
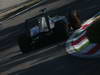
x: 43, y: 31
x: 85, y: 42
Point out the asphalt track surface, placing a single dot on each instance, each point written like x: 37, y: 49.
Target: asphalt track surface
x: 67, y: 64
x: 9, y: 3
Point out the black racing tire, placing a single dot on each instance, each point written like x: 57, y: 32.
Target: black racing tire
x: 24, y: 43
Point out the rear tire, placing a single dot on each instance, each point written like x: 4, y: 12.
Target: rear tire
x: 24, y: 43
